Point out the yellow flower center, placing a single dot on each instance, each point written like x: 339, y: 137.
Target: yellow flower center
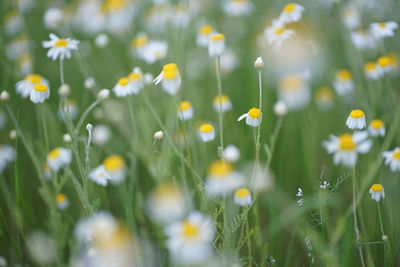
x: 242, y: 192
x: 166, y: 190
x: 344, y: 75
x: 289, y: 7
x: 396, y: 155
x: 123, y: 81
x: 291, y: 82
x: 206, y: 128
x: 40, y: 87
x: 324, y: 94
x: 357, y: 113
x: 377, y: 187
x: 346, y: 142
x: 219, y: 168
x: 384, y: 61
x: 140, y: 41
x: 218, y: 37
x: 61, y: 43
x: 134, y: 76
x: 382, y: 25
x: 184, y: 105
x: 254, y: 113
x: 170, y: 67
x: 377, y: 124
x: 33, y: 78
x: 61, y: 198
x: 169, y: 75
x: 206, y: 29
x: 114, y: 162
x: 279, y: 31
x: 113, y: 5
x: 370, y: 66
x: 55, y: 153
x: 222, y: 100
x: 190, y: 231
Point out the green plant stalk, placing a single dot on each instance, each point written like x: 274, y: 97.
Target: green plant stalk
x: 85, y: 114
x: 62, y: 71
x: 220, y: 115
x: 356, y: 229
x: 386, y: 245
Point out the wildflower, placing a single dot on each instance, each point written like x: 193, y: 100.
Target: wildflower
x: 384, y: 64
x: 225, y: 106
x: 299, y: 194
x: 41, y: 248
x: 58, y: 158
x: 280, y: 108
x: 259, y: 63
x: 292, y: 12
x: 346, y: 147
x: 7, y: 155
x: 64, y: 90
x: 25, y: 86
x: 101, y: 134
x: 231, y: 153
x: 62, y: 201
x: 46, y: 171
x: 237, y: 8
x: 324, y: 97
x: 206, y: 132
x: 71, y: 108
x: 190, y: 241
x: 343, y: 83
x: 13, y: 22
x: 203, y: 35
x: 277, y: 33
x: 392, y: 158
x: 169, y: 78
x: 123, y: 87
x: 140, y: 43
x: 101, y: 40
x: 242, y: 197
x: 4, y: 96
x: 377, y: 128
x: 294, y: 90
x: 325, y: 185
x: 229, y: 61
x: 39, y: 93
x: 377, y: 192
x: 99, y: 175
x: 372, y: 71
x: 356, y: 119
x: 216, y: 45
x: 53, y: 18
x: 115, y: 166
x: 362, y: 40
x: 159, y: 135
x: 185, y: 111
x: 383, y: 29
x: 59, y: 47
x: 222, y: 178
x: 351, y: 18
x: 253, y: 117
x: 89, y: 83
x: 103, y: 94
x: 154, y: 51
x: 67, y: 138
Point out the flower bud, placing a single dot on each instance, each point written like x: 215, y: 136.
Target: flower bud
x: 259, y: 63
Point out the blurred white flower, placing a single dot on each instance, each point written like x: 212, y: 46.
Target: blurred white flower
x: 294, y: 90
x: 277, y: 33
x: 222, y: 178
x: 62, y: 201
x: 53, y: 18
x: 169, y: 78
x: 226, y: 104
x: 203, y: 35
x: 231, y: 153
x: 185, y: 111
x: 216, y: 45
x: 101, y: 134
x: 99, y: 175
x: 242, y: 197
x: 7, y: 155
x: 383, y: 29
x: 377, y: 128
x: 116, y: 168
x: 25, y: 86
x: 101, y: 40
x: 58, y: 158
x: 292, y: 12
x: 206, y: 132
x: 343, y: 83
x: 41, y: 248
x: 392, y: 159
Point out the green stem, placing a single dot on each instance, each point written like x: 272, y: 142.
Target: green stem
x: 356, y: 229
x: 220, y: 115
x: 85, y: 114
x: 384, y: 238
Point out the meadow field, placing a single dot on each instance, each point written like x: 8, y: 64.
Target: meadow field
x: 199, y: 133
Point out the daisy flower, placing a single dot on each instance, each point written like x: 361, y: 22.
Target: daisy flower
x: 203, y: 35
x: 185, y: 111
x: 346, y: 147
x: 384, y: 64
x: 226, y: 104
x: 280, y: 108
x: 136, y: 80
x: 154, y: 51
x: 206, y: 132
x: 292, y: 12
x: 351, y: 18
x: 372, y: 71
x: 169, y: 78
x: 383, y: 29
x: 222, y: 179
x: 377, y: 192
x: 40, y: 93
x: 294, y: 90
x: 7, y: 155
x: 59, y: 158
x: 190, y: 241
x: 242, y: 197
x: 116, y: 168
x: 237, y: 7
x: 62, y: 201
x: 216, y: 45
x: 324, y: 97
x: 99, y: 175
x: 231, y: 153
x: 356, y: 119
x: 101, y: 134
x: 60, y: 47
x: 363, y: 40
x: 392, y: 159
x: 140, y: 44
x: 343, y: 83
x: 13, y: 22
x: 25, y: 86
x: 377, y: 128
x: 253, y: 117
x: 277, y: 33
x: 123, y: 87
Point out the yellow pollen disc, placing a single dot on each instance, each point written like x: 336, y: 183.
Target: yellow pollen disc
x: 184, y: 105
x: 33, y: 78
x: 166, y: 190
x: 279, y: 31
x: 377, y: 124
x: 206, y: 29
x: 377, y: 187
x: 140, y: 41
x: 220, y: 168
x: 254, y: 113
x: 170, y: 67
x: 61, y: 198
x: 396, y: 155
x: 114, y: 162
x: 123, y: 81
x: 224, y: 99
x: 40, y: 87
x: 134, y: 76
x: 113, y: 5
x: 169, y: 75
x: 289, y: 7
x: 218, y: 37
x: 291, y: 82
x: 118, y: 240
x: 61, y: 43
x: 384, y: 61
x: 344, y: 75
x: 324, y: 94
x: 242, y: 192
x: 357, y: 113
x: 369, y: 66
x: 206, y: 128
x: 55, y: 153
x: 189, y: 230
x: 346, y: 142
x: 382, y: 25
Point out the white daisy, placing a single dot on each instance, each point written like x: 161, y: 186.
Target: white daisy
x: 224, y: 103
x: 292, y: 12
x: 383, y: 29
x: 185, y: 111
x: 169, y: 78
x: 324, y: 97
x: 206, y: 132
x: 116, y: 168
x: 60, y: 47
x: 25, y: 86
x: 343, y: 83
x: 40, y: 93
x: 362, y: 40
x: 253, y: 117
x: 351, y: 18
x: 7, y: 155
x: 277, y: 33
x: 154, y: 51
x: 59, y: 158
x: 216, y: 45
x: 231, y: 153
x: 123, y: 87
x: 377, y: 192
x: 62, y: 201
x: 294, y: 90
x: 280, y: 108
x: 242, y: 197
x: 356, y: 119
x: 53, y: 17
x: 372, y: 71
x: 99, y: 175
x: 222, y: 179
x: 203, y: 35
x: 392, y: 159
x: 101, y: 134
x: 377, y: 128
x: 384, y: 64
x: 237, y: 7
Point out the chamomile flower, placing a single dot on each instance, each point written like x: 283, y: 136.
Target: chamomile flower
x: 206, y: 132
x: 123, y: 87
x: 222, y: 179
x: 346, y: 147
x: 203, y: 35
x: 384, y: 64
x: 70, y: 107
x: 226, y: 104
x: 343, y: 83
x: 25, y: 86
x: 294, y: 90
x: 242, y: 197
x: 277, y: 33
x: 53, y: 17
x: 237, y: 7
x: 372, y: 71
x: 89, y: 83
x: 190, y: 241
x: 363, y: 40
x: 253, y: 117
x: 99, y: 175
x: 169, y: 78
x: 324, y: 97
x: 40, y: 93
x: 351, y: 18
x: 392, y: 159
x: 377, y: 128
x: 292, y: 12
x: 7, y: 155
x: 383, y: 29
x: 154, y: 51
x: 62, y: 201
x: 356, y: 119
x: 216, y: 45
x: 58, y: 158
x: 46, y: 171
x: 60, y: 47
x: 377, y: 192
x: 185, y: 111
x: 231, y: 153
x: 139, y: 44
x: 101, y: 134
x: 13, y: 22
x: 116, y: 167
